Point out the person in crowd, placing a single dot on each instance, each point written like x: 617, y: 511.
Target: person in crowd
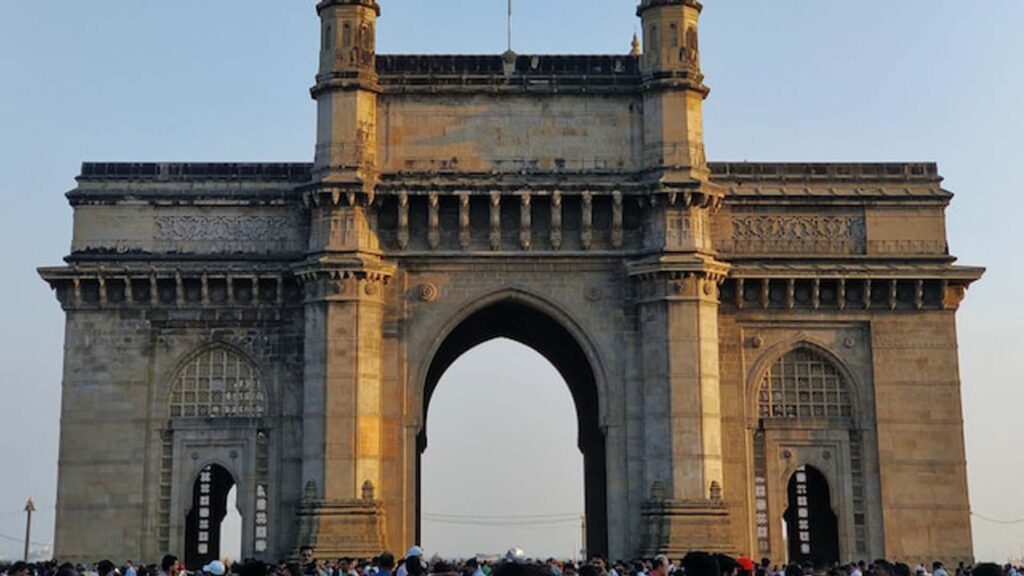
x: 414, y: 556
x: 106, y: 568
x: 727, y: 565
x: 414, y: 565
x: 986, y: 569
x: 129, y: 569
x: 513, y: 568
x: 385, y: 564
x: 169, y: 565
x: 745, y: 566
x: 215, y: 568
x: 938, y: 569
x: 701, y: 564
x: 473, y: 568
x: 660, y: 565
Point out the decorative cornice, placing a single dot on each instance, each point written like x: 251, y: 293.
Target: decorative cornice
x: 843, y: 294
x: 172, y: 287
x: 648, y: 4
x: 371, y: 4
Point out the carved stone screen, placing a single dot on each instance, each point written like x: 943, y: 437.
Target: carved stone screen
x: 217, y: 383
x: 803, y: 384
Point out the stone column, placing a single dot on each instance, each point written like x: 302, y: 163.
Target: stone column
x: 345, y: 287
x: 677, y: 300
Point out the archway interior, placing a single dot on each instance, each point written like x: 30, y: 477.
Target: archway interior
x: 812, y: 530
x: 203, y: 522
x: 525, y: 324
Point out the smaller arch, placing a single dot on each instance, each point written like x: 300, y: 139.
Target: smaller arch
x: 803, y: 380
x: 203, y: 520
x: 216, y: 381
x: 811, y: 521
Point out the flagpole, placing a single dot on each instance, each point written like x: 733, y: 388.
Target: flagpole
x: 509, y: 25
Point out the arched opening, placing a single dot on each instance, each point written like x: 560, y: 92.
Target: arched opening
x: 206, y: 516
x: 502, y: 467
x: 812, y: 529
x: 525, y: 324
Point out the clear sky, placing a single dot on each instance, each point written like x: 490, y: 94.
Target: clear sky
x: 227, y: 80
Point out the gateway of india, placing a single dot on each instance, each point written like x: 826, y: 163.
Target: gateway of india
x: 762, y: 356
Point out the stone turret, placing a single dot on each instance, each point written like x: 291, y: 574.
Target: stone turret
x: 346, y: 93
x: 674, y: 127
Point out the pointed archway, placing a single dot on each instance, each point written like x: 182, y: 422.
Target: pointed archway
x: 812, y: 529
x: 203, y: 522
x: 521, y: 322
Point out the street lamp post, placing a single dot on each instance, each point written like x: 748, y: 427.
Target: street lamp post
x: 29, y: 509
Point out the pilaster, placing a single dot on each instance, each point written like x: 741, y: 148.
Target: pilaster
x: 677, y: 297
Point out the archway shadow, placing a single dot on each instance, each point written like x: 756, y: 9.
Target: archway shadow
x: 528, y: 326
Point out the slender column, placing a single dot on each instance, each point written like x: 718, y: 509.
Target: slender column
x: 403, y: 220
x: 433, y: 221
x: 279, y: 290
x: 78, y: 290
x: 766, y: 286
x: 918, y: 294
x: 229, y: 282
x: 129, y: 295
x: 465, y: 237
x: 556, y: 221
x: 740, y: 287
x: 103, y: 291
x: 495, y: 221
x: 892, y: 294
x: 179, y: 289
x: 154, y: 291
x: 587, y: 225
x: 841, y: 294
x: 204, y: 290
x: 790, y: 293
x: 867, y: 294
x: 816, y: 294
x: 525, y: 221
x: 617, y: 220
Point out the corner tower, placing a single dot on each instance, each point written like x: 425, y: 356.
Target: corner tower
x: 346, y: 93
x: 677, y: 281
x: 345, y: 279
x: 673, y: 107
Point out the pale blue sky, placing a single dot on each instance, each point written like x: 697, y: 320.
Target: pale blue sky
x: 227, y: 80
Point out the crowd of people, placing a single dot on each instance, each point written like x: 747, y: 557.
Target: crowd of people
x: 514, y: 563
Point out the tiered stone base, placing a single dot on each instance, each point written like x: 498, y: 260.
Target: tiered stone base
x: 336, y: 529
x: 675, y: 527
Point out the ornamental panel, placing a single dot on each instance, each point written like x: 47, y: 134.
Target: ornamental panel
x: 218, y: 383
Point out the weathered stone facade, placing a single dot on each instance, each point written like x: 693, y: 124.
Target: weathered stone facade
x: 721, y: 326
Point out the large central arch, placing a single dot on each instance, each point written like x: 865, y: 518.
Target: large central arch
x: 522, y: 319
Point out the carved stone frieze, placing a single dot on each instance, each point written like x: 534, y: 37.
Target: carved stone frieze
x: 796, y: 234
x: 188, y: 228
